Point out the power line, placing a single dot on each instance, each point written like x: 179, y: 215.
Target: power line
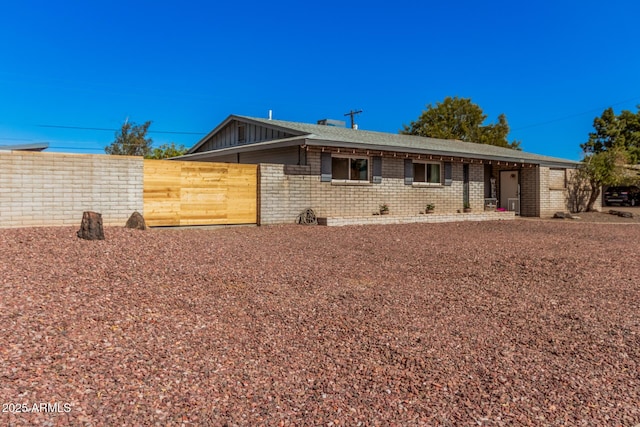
x: 15, y: 139
x: 55, y: 147
x: 116, y: 130
x: 574, y: 115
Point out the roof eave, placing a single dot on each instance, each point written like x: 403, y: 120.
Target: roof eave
x: 243, y: 119
x: 210, y: 134
x: 270, y: 124
x: 560, y: 164
x: 412, y: 150
x: 311, y: 141
x: 278, y: 143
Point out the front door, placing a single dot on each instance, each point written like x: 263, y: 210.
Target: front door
x: 510, y: 191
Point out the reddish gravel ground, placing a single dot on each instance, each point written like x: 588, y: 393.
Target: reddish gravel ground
x: 495, y: 323
x: 605, y: 216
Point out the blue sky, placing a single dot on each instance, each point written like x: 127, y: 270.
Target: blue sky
x: 549, y: 66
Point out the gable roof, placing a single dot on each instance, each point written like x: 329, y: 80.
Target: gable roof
x: 331, y: 136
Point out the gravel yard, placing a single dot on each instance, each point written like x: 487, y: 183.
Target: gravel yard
x: 461, y: 324
x: 605, y: 216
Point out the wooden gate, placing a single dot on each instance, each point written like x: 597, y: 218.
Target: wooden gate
x: 199, y: 193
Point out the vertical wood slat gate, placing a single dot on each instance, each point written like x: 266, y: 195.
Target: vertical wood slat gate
x: 199, y: 193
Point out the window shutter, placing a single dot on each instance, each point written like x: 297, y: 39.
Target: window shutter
x: 408, y: 171
x: 325, y: 167
x: 447, y: 174
x: 377, y: 169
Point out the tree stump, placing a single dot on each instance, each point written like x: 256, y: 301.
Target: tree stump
x: 136, y: 221
x: 91, y: 226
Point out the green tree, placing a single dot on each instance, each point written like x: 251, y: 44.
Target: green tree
x: 612, y: 147
x: 604, y: 168
x: 620, y: 132
x: 131, y: 140
x: 459, y: 118
x: 167, y: 150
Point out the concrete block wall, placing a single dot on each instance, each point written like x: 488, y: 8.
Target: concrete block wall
x: 553, y: 198
x: 551, y: 194
x: 51, y: 189
x: 337, y: 199
x: 283, y: 195
x: 557, y: 202
x: 430, y: 218
x: 530, y: 192
x: 545, y: 202
x: 578, y: 192
x: 476, y: 185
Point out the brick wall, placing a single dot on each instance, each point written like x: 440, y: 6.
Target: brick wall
x: 283, y: 195
x: 578, y: 192
x: 543, y: 190
x: 529, y: 192
x: 557, y: 202
x: 552, y: 198
x: 540, y: 191
x: 336, y: 199
x: 51, y: 189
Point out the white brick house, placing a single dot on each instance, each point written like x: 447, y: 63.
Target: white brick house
x: 341, y: 172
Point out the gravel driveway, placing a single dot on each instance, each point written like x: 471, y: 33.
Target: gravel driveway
x: 494, y: 323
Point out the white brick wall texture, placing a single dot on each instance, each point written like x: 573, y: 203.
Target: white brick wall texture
x: 51, y: 189
x: 38, y: 189
x: 283, y: 197
x: 426, y: 218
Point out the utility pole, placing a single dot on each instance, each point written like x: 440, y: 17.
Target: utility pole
x: 353, y: 113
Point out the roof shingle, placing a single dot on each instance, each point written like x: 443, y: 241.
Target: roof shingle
x: 399, y: 142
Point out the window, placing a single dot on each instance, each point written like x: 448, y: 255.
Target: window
x: 426, y: 173
x: 350, y: 168
x: 241, y: 133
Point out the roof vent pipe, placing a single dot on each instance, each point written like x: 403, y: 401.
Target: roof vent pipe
x: 270, y: 114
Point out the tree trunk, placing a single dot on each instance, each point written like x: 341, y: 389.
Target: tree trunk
x: 91, y: 226
x: 593, y: 196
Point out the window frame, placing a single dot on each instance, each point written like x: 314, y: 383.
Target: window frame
x: 426, y: 183
x: 351, y: 157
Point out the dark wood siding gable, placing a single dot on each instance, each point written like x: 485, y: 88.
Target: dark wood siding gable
x: 231, y: 135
